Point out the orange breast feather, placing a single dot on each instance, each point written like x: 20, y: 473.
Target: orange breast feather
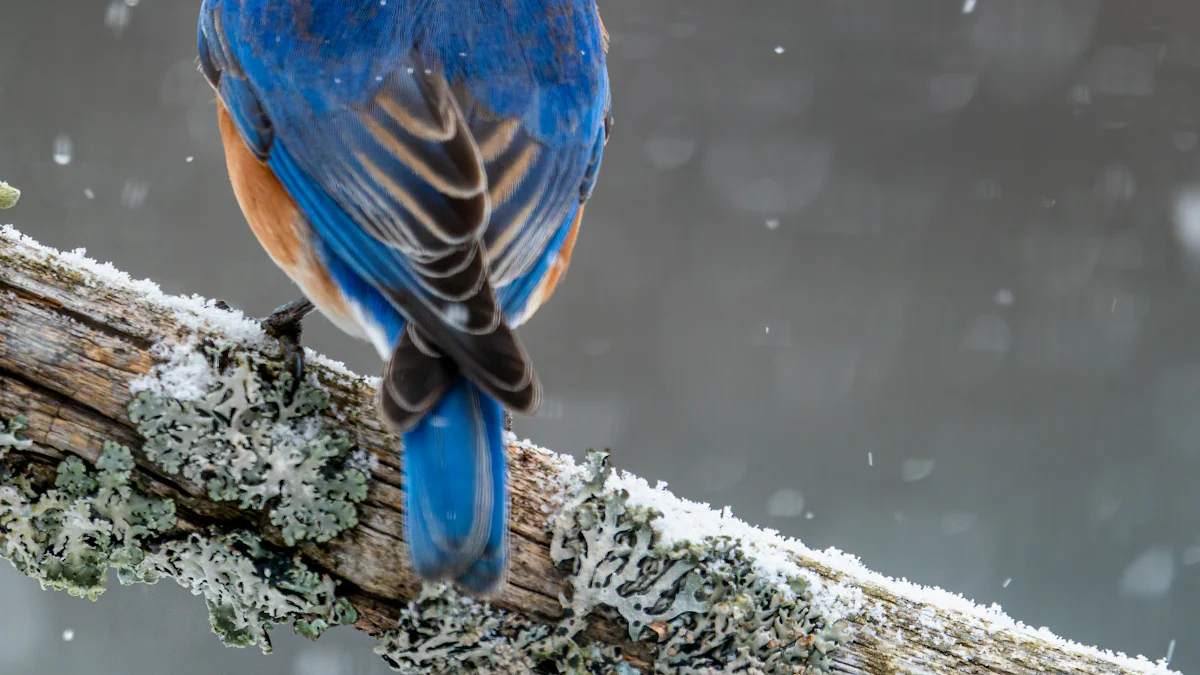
x: 557, y: 270
x: 279, y: 225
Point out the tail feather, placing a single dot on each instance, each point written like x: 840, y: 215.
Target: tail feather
x: 414, y: 381
x: 456, y: 500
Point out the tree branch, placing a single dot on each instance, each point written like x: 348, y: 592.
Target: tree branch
x: 606, y: 572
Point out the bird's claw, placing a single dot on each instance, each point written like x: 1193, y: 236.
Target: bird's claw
x: 284, y: 324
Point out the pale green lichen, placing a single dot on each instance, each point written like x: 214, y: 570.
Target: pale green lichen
x: 248, y: 587
x: 443, y: 632
x: 247, y: 440
x: 702, y: 604
x: 8, y: 195
x: 9, y: 440
x: 93, y: 519
x: 68, y: 536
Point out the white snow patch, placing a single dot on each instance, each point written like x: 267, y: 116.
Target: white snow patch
x: 194, y: 312
x: 183, y: 377
x: 186, y: 374
x: 339, y: 368
x: 365, y: 461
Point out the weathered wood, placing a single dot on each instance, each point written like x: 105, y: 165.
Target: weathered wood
x: 72, y: 342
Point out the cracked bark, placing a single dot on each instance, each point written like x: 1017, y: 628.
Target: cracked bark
x: 70, y: 347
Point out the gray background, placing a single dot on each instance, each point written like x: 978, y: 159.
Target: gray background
x: 931, y: 272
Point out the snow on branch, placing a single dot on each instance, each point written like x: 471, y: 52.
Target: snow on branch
x: 158, y: 436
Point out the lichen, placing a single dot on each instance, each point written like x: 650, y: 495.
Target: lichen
x: 9, y: 440
x: 93, y: 519
x: 702, y: 603
x: 249, y: 588
x: 8, y: 195
x: 68, y: 536
x: 250, y: 441
x: 442, y: 631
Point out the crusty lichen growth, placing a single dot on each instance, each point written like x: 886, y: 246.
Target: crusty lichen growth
x: 442, y: 632
x: 248, y: 587
x: 68, y: 536
x: 8, y: 195
x: 250, y: 441
x: 93, y: 519
x: 8, y: 435
x: 703, y: 603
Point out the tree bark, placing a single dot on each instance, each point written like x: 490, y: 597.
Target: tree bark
x: 72, y: 341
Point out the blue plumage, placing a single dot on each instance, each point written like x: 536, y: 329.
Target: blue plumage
x: 439, y: 153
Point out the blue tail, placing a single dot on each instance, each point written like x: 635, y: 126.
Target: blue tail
x: 456, y: 499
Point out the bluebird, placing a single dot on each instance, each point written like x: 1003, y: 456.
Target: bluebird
x: 419, y: 168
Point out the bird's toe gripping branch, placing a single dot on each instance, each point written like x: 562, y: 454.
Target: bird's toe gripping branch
x: 285, y: 325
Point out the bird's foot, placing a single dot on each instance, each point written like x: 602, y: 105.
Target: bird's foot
x: 508, y: 420
x: 284, y: 324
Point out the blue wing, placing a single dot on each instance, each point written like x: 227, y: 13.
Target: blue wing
x: 438, y: 176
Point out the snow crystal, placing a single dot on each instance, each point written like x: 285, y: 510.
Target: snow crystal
x: 363, y: 460
x: 1150, y: 575
x: 786, y: 503
x: 913, y: 470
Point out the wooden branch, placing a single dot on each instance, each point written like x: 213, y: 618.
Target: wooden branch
x: 74, y: 336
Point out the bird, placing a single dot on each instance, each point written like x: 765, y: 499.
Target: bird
x: 420, y: 169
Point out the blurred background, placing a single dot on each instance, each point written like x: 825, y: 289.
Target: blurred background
x: 913, y: 279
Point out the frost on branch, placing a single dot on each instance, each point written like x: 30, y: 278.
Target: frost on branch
x: 703, y: 602
x: 250, y: 441
x: 248, y: 587
x: 69, y: 536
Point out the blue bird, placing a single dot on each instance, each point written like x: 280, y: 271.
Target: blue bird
x: 419, y: 168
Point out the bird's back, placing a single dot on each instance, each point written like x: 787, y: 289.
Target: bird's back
x: 503, y: 52
x: 439, y: 155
